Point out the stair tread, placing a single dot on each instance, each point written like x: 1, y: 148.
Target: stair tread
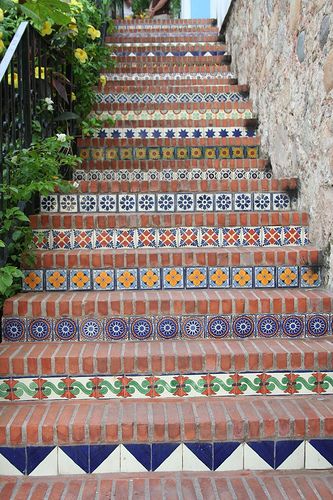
x: 268, y: 485
x: 195, y: 419
x: 157, y: 357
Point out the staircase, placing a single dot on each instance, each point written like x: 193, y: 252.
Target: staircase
x: 175, y: 318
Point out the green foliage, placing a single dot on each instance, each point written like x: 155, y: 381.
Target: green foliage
x: 90, y: 125
x: 175, y: 8
x: 140, y: 6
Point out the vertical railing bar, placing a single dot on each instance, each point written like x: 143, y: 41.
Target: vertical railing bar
x: 26, y: 90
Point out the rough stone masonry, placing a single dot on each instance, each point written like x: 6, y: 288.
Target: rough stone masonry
x: 284, y: 50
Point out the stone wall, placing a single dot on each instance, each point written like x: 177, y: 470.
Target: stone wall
x: 284, y: 50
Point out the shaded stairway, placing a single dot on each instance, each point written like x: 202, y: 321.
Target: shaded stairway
x: 175, y: 292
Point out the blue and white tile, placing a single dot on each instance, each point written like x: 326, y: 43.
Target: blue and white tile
x: 107, y: 203
x: 135, y: 458
x: 12, y: 461
x: 88, y: 202
x: 49, y: 203
x: 167, y: 76
x: 290, y: 455
x: 185, y: 202
x: 165, y: 202
x: 167, y: 457
x: 104, y: 459
x: 68, y: 203
x: 42, y: 461
x: 127, y: 203
x: 73, y: 459
x: 197, y: 457
x: 223, y: 202
x: 262, y: 201
x: 228, y: 456
x: 242, y: 202
x: 168, y: 280
x: 204, y: 202
x: 146, y: 203
x: 281, y: 201
x: 259, y: 455
x: 319, y: 454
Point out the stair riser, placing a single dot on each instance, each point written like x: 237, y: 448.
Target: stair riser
x: 97, y: 259
x: 172, y: 107
x: 215, y: 59
x: 171, y: 67
x: 163, y: 54
x: 211, y: 77
x: 151, y: 22
x: 167, y: 203
x: 157, y: 37
x: 156, y: 328
x: 162, y: 457
x: 176, y: 386
x: 174, y: 278
x: 204, y: 83
x: 194, y: 29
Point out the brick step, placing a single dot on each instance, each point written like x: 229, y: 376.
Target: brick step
x: 171, y: 67
x: 140, y: 122
x: 169, y: 28
x: 174, y: 357
x: 235, y: 256
x: 171, y: 278
x: 175, y: 135
x: 190, y: 106
x: 172, y: 117
x: 185, y: 386
x: 174, y: 169
x: 133, y: 219
x: 167, y: 202
x: 215, y: 485
x: 165, y: 37
x: 172, y: 302
x: 231, y: 186
x: 189, y: 50
x: 156, y: 149
x: 212, y: 60
x: 214, y: 420
x: 151, y: 22
x: 173, y: 88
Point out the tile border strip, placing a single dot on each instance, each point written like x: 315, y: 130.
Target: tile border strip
x: 169, y: 98
x: 143, y: 328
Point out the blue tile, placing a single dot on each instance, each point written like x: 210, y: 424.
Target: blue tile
x: 98, y: 453
x: 222, y: 451
x: 324, y: 447
x: 160, y: 452
x: 36, y: 455
x: 150, y: 278
x: 79, y: 454
x: 173, y: 277
x: 265, y: 450
x: 142, y: 452
x: 283, y: 450
x: 203, y: 451
x: 219, y: 277
x: 16, y: 456
x: 196, y: 277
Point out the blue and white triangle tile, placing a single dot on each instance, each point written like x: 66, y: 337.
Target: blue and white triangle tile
x: 197, y: 456
x: 289, y: 455
x: 259, y: 455
x: 42, y: 460
x: 319, y: 454
x: 228, y: 456
x: 167, y: 457
x: 104, y: 458
x: 73, y: 459
x: 13, y: 461
x: 135, y: 458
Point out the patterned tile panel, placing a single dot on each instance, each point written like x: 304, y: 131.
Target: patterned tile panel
x: 170, y: 153
x: 176, y: 114
x: 163, y: 44
x: 167, y: 457
x: 174, y: 133
x: 171, y: 237
x: 116, y: 77
x: 169, y: 278
x: 167, y: 175
x: 168, y: 53
x: 165, y: 386
x: 165, y: 328
x: 162, y: 98
x: 164, y: 202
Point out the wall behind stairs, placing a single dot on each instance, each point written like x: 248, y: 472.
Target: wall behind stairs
x: 284, y: 50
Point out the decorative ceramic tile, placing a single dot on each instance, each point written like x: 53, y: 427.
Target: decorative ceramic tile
x: 197, y: 456
x: 104, y: 459
x: 167, y: 76
x: 173, y: 53
x: 107, y: 203
x: 174, y: 114
x: 104, y: 238
x: 125, y: 238
x: 319, y: 454
x: 204, y: 202
x: 219, y: 277
x: 210, y: 237
x: 310, y: 277
x: 289, y: 455
x: 73, y: 459
x: 293, y: 235
x: 32, y: 281
x: 185, y: 202
x: 68, y: 203
x: 146, y: 203
x: 103, y: 279
x: 242, y: 277
x: 178, y: 133
x: 228, y: 456
x: 135, y: 458
x: 262, y: 201
x: 42, y: 461
x: 173, y: 277
x: 259, y: 455
x: 79, y: 279
x: 83, y: 238
x: 127, y: 279
x: 127, y: 203
x: 13, y: 461
x: 150, y: 278
x: 287, y: 276
x: 49, y: 203
x: 167, y: 328
x: 196, y: 277
x: 189, y: 237
x: 264, y: 277
x: 281, y: 201
x: 56, y: 279
x: 191, y: 327
x: 243, y: 202
x: 167, y: 457
x: 166, y: 202
x: 273, y: 235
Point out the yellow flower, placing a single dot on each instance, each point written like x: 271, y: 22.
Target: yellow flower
x: 78, y: 5
x: 103, y: 80
x: 73, y: 26
x: 81, y: 55
x: 2, y: 46
x: 93, y: 32
x: 150, y: 278
x: 47, y: 28
x: 40, y: 72
x: 16, y: 82
x: 1, y: 15
x: 73, y: 97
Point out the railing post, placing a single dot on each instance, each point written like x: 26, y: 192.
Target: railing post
x: 26, y: 88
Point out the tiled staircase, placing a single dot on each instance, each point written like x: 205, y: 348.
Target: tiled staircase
x: 175, y: 318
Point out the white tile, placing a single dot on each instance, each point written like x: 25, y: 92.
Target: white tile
x: 128, y: 463
x: 8, y: 469
x: 191, y: 462
x: 49, y: 466
x: 174, y: 462
x: 110, y: 464
x: 313, y: 459
x: 252, y: 461
x: 235, y: 461
x: 295, y: 460
x: 66, y: 465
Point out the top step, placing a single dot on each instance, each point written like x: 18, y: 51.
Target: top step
x: 167, y: 22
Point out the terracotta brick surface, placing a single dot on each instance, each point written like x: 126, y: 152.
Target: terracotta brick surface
x: 182, y: 420
x: 78, y: 304
x: 228, y: 141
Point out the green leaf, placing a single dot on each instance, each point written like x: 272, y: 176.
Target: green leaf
x: 68, y: 115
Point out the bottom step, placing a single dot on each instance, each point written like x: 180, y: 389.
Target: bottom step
x: 187, y: 486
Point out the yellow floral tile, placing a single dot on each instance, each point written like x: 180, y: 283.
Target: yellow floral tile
x: 150, y: 278
x: 210, y: 153
x: 97, y: 154
x: 126, y: 154
x: 140, y: 153
x: 196, y: 153
x: 252, y: 152
x: 182, y: 153
x: 111, y: 154
x: 237, y: 152
x: 196, y: 277
x: 168, y: 153
x: 154, y: 153
x: 224, y: 152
